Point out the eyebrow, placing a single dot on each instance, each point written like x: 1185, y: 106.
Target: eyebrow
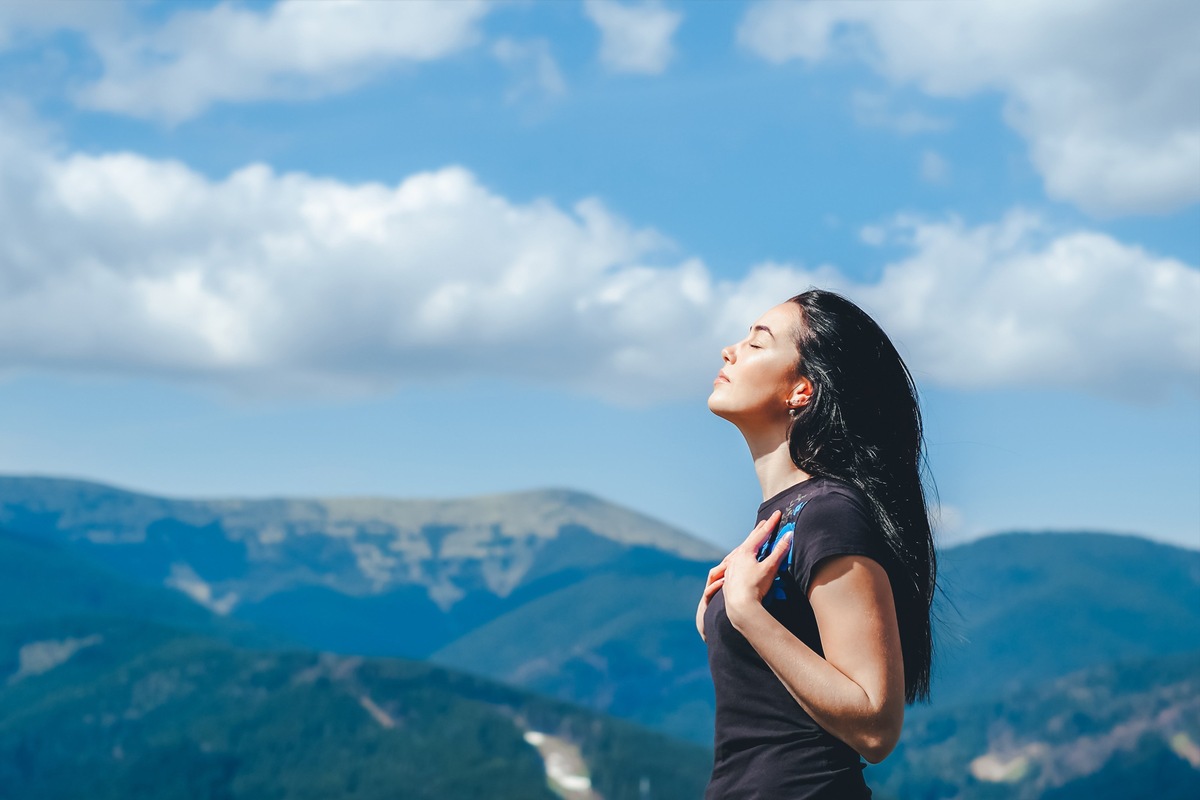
x: 754, y: 328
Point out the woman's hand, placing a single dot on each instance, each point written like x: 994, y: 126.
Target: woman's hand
x: 716, y: 577
x: 746, y: 580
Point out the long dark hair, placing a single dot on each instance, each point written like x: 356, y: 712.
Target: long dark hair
x: 862, y: 425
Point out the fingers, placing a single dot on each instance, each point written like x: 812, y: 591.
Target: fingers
x: 716, y: 576
x: 780, y: 551
x: 714, y: 583
x: 761, y: 531
x: 712, y: 587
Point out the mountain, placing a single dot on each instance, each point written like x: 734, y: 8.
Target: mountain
x: 413, y: 578
x: 1122, y: 730
x: 1022, y: 608
x: 109, y: 705
x: 616, y: 637
x: 98, y: 701
x: 41, y: 580
x: 455, y: 557
x: 570, y: 596
x: 118, y: 709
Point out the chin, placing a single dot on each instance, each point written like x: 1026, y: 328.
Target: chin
x: 714, y: 406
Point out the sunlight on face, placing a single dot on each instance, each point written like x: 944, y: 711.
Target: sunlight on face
x: 760, y: 371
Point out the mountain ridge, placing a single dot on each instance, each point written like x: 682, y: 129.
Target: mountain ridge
x: 514, y: 506
x: 586, y: 615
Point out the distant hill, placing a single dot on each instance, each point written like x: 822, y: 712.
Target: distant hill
x: 616, y: 637
x: 1029, y: 607
x: 1125, y: 730
x: 42, y: 580
x: 123, y: 710
x: 412, y: 578
x: 455, y: 561
x: 98, y: 701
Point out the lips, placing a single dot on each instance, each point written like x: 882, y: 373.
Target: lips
x: 721, y: 378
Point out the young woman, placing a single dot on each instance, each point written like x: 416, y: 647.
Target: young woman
x: 818, y: 624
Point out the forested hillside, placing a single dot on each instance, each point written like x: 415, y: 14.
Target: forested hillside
x: 114, y: 690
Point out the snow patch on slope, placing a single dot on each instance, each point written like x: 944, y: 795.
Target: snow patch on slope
x: 566, y: 771
x: 185, y: 579
x: 36, y: 658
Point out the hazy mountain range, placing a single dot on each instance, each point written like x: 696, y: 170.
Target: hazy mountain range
x: 575, y: 598
x: 557, y: 591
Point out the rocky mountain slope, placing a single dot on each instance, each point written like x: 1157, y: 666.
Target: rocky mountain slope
x: 1122, y: 730
x: 420, y: 579
x: 230, y: 554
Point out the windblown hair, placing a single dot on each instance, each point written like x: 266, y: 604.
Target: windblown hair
x: 862, y: 425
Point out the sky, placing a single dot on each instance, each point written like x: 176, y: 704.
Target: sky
x: 443, y: 249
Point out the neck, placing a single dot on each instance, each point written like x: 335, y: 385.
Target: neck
x: 772, y: 462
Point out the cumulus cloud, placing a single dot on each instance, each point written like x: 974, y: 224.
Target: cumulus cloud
x: 634, y: 38
x: 286, y: 282
x: 231, y: 53
x: 1102, y: 90
x: 1018, y: 303
x: 263, y: 281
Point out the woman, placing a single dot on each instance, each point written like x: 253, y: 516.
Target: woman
x: 818, y: 624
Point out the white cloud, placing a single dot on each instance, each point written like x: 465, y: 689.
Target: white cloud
x: 230, y: 53
x: 1104, y: 91
x: 535, y: 66
x: 269, y: 282
x: 281, y: 282
x: 634, y: 38
x: 1018, y: 304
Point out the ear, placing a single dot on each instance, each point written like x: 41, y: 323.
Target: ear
x: 801, y: 393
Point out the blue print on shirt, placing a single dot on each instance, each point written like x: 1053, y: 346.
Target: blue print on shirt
x: 787, y: 524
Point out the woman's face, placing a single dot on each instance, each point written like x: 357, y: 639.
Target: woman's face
x: 759, y: 377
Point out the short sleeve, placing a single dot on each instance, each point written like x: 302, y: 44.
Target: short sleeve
x: 832, y: 524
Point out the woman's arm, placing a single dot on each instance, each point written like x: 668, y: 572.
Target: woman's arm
x: 856, y: 692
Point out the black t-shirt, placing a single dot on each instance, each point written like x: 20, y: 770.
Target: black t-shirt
x: 766, y: 745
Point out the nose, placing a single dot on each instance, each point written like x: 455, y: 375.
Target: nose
x: 727, y: 354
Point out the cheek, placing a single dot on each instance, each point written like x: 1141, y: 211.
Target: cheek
x: 765, y: 389
x: 773, y: 377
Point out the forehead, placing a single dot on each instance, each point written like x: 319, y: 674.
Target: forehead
x: 780, y: 319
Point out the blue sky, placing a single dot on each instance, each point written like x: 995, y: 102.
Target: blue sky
x: 415, y: 249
